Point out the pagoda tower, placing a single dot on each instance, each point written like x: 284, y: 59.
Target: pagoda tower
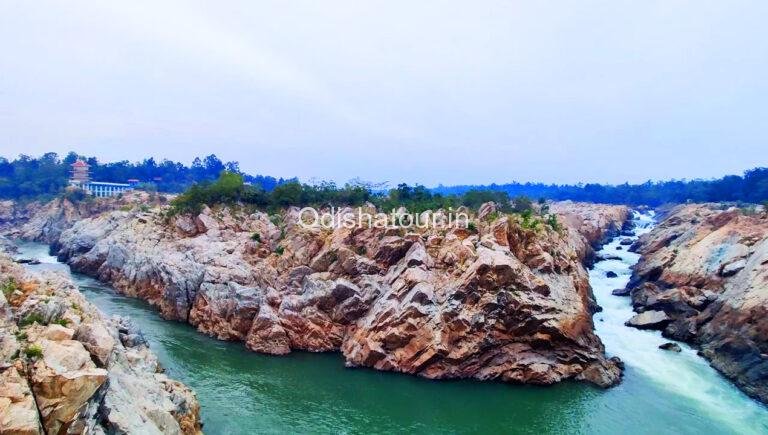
x: 79, y: 175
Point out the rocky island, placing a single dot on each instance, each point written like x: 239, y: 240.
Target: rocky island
x: 496, y: 301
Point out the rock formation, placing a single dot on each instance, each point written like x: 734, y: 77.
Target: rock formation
x: 492, y: 301
x: 594, y: 223
x: 705, y: 270
x: 67, y: 369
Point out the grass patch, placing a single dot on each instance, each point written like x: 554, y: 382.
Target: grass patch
x: 32, y: 318
x: 33, y: 351
x: 62, y: 322
x: 9, y: 287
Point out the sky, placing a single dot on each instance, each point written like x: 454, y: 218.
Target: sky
x: 429, y: 92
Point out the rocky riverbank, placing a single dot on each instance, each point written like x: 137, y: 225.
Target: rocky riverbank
x: 65, y: 368
x: 44, y: 222
x: 498, y: 301
x: 703, y: 278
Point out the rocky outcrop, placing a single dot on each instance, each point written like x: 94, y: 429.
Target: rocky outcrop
x: 67, y: 369
x: 493, y: 301
x: 594, y: 224
x: 45, y: 222
x: 706, y: 269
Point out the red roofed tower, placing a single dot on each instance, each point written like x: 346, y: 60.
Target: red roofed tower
x: 80, y: 174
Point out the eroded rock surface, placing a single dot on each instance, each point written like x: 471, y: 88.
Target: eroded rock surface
x: 706, y: 269
x: 498, y: 301
x: 66, y: 368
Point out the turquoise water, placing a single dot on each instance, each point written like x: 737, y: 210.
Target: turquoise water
x: 244, y: 392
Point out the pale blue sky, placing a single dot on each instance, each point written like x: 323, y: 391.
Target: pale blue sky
x: 449, y: 92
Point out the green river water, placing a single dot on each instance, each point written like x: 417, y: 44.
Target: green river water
x: 244, y: 392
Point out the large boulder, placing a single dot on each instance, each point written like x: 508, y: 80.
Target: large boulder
x: 63, y: 380
x: 18, y: 412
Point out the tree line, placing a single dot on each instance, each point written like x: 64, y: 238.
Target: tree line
x: 751, y: 187
x: 47, y: 176
x: 230, y: 188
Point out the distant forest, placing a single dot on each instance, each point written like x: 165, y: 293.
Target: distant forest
x: 752, y: 187
x: 44, y: 177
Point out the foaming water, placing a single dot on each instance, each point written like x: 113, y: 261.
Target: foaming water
x: 245, y: 392
x: 700, y: 387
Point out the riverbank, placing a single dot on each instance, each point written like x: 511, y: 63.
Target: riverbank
x: 241, y: 391
x: 66, y: 368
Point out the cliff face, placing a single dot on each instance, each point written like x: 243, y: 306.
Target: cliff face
x: 593, y: 223
x: 45, y: 222
x: 67, y: 369
x: 704, y: 276
x: 498, y: 302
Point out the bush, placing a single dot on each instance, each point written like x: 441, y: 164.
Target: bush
x: 256, y: 237
x: 522, y: 204
x: 529, y: 222
x: 33, y: 351
x: 60, y: 321
x: 553, y: 223
x: 472, y: 227
x: 74, y: 194
x: 9, y: 287
x: 32, y: 318
x: 279, y: 250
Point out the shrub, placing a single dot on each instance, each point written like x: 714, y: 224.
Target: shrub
x: 472, y: 227
x: 33, y: 351
x: 279, y: 250
x: 60, y: 321
x: 32, y: 318
x: 522, y: 204
x: 256, y: 237
x: 553, y: 223
x: 74, y: 195
x: 21, y: 335
x: 9, y: 287
x: 529, y: 222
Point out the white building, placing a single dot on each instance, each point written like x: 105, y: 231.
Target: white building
x: 80, y: 178
x: 102, y: 189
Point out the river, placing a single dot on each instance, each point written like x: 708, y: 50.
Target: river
x: 245, y: 392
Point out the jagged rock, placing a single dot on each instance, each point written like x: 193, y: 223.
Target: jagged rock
x: 63, y: 380
x: 649, y: 320
x: 57, y: 333
x: 731, y: 269
x: 495, y: 302
x: 611, y: 274
x: 486, y: 209
x: 621, y: 292
x: 97, y: 340
x: 707, y: 267
x: 673, y: 347
x: 18, y: 412
x: 67, y: 389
